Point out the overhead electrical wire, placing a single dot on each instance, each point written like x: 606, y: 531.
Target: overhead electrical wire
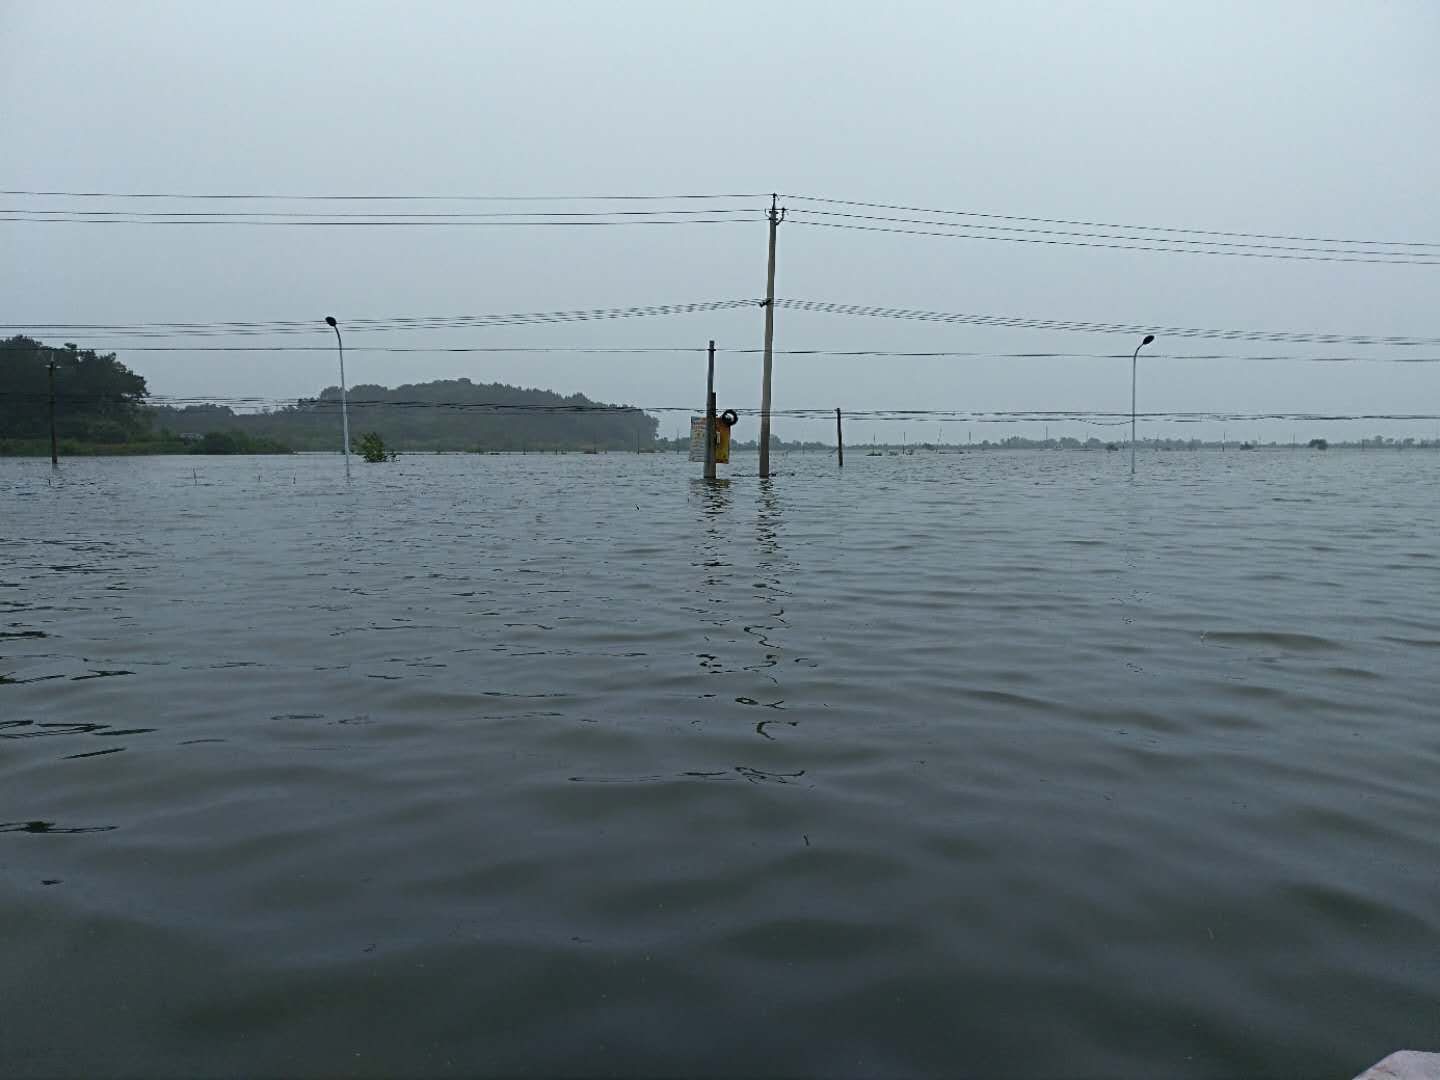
x: 805, y: 198
x: 267, y: 196
x: 421, y: 214
x: 1109, y: 225
x: 953, y: 224
x: 363, y: 325
x: 302, y: 405
x: 1069, y: 325
x: 724, y: 216
x: 375, y: 223
x: 1134, y: 235
x: 672, y: 350
x: 243, y: 328
x: 1153, y: 247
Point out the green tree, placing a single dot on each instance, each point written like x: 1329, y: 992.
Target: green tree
x: 97, y: 398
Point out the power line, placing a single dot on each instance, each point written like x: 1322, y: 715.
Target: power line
x: 375, y: 198
x: 1119, y: 247
x: 951, y: 230
x: 1175, y: 240
x: 1110, y: 225
x: 987, y: 215
x: 396, y: 322
x: 347, y: 223
x: 301, y: 406
x: 243, y: 328
x: 1108, y: 236
x: 378, y: 215
x: 1020, y: 322
x: 668, y: 350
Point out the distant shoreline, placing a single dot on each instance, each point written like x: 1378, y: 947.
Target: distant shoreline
x: 29, y: 448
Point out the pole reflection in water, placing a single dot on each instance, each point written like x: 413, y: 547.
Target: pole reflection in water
x: 771, y: 565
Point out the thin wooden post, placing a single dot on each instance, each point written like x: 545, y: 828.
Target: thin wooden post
x: 839, y: 440
x: 710, y: 415
x: 54, y: 451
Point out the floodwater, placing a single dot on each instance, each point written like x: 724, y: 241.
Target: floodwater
x: 986, y: 763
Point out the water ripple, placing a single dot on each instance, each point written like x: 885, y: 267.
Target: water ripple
x: 990, y: 763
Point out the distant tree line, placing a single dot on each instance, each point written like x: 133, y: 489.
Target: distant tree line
x: 448, y: 414
x: 97, y: 398
x: 101, y: 406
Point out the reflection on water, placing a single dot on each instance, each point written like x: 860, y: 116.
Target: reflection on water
x: 50, y: 828
x: 983, y: 763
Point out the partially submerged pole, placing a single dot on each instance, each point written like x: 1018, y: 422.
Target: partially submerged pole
x: 1134, y: 362
x: 344, y: 404
x: 710, y: 416
x: 839, y: 441
x: 776, y: 215
x: 54, y: 451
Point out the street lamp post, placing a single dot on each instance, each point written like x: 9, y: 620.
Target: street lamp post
x: 344, y: 404
x: 1134, y: 363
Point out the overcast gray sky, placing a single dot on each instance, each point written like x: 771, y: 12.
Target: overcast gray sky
x: 1302, y: 118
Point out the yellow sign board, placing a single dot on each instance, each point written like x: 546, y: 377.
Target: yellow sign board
x: 697, y: 440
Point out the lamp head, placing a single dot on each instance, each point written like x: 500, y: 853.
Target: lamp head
x: 330, y: 320
x: 1148, y: 337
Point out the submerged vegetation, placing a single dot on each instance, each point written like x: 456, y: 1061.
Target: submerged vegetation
x: 371, y: 447
x: 233, y: 442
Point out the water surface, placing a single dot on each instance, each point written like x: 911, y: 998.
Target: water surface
x: 987, y: 763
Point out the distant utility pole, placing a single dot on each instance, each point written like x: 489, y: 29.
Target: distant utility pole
x: 54, y: 452
x: 776, y: 215
x: 839, y: 440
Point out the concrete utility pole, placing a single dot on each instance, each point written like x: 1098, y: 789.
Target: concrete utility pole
x: 710, y: 416
x: 54, y: 452
x: 776, y: 215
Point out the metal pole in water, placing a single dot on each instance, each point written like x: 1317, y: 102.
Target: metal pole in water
x: 54, y: 453
x: 1134, y: 363
x: 344, y: 404
x: 839, y: 441
x: 710, y: 416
